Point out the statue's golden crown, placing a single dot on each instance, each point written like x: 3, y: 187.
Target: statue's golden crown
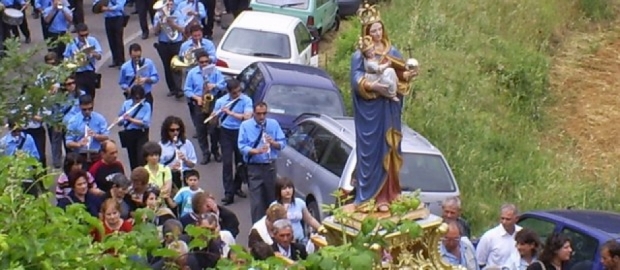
x: 365, y: 43
x: 368, y: 14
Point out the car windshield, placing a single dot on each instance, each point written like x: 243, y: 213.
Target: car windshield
x: 295, y: 100
x: 257, y: 43
x: 296, y: 4
x: 427, y: 172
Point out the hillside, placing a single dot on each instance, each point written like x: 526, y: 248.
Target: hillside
x: 518, y: 96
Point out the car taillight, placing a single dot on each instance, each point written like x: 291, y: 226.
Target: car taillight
x: 221, y: 63
x: 310, y: 21
x: 314, y: 49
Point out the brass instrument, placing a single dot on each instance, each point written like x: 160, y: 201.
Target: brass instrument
x: 80, y: 57
x: 162, y: 6
x: 181, y: 65
x: 137, y: 75
x: 207, y: 96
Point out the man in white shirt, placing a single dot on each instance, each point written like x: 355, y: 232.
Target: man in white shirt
x: 498, y: 244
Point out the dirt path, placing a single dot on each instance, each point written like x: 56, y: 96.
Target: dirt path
x: 586, y: 84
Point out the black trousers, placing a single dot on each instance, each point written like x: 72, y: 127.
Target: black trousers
x: 166, y: 51
x: 262, y: 188
x: 207, y: 133
x: 207, y: 30
x: 23, y: 27
x: 145, y: 7
x: 114, y: 31
x: 138, y: 137
x: 59, y: 49
x: 38, y: 134
x: 85, y: 80
x: 44, y: 28
x: 230, y: 151
x: 78, y: 12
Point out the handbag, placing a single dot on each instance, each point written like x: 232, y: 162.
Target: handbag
x: 125, y: 134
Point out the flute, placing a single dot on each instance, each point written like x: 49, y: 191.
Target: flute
x: 177, y: 152
x: 120, y: 118
x: 265, y: 142
x: 216, y: 113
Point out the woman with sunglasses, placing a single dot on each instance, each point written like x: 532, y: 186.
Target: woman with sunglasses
x: 136, y: 125
x: 177, y: 151
x: 71, y: 106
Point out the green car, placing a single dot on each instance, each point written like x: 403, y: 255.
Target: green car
x: 318, y: 15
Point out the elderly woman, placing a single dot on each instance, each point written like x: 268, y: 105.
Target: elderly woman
x: 261, y: 230
x: 284, y: 245
x: 78, y: 182
x: 555, y: 254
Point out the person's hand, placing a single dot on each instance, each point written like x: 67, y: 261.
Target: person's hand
x: 126, y: 116
x: 199, y: 101
x: 143, y: 80
x: 210, y: 86
x: 270, y: 140
x: 226, y: 110
x: 83, y: 142
x: 264, y: 149
x: 176, y: 166
x: 165, y: 194
x: 182, y: 156
x: 91, y: 133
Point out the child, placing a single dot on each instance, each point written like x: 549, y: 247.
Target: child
x: 376, y: 71
x: 183, y: 199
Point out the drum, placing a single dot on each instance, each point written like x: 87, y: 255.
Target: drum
x: 12, y: 16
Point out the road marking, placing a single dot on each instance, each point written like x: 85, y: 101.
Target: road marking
x: 106, y: 56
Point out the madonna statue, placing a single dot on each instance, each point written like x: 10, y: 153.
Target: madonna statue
x: 378, y: 116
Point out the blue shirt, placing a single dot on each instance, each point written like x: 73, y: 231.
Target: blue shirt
x: 12, y: 3
x: 195, y: 81
x: 116, y: 8
x: 71, y: 106
x: 180, y: 20
x: 168, y: 151
x: 128, y: 73
x: 10, y: 144
x: 75, y: 46
x: 183, y: 199
x: 248, y: 134
x: 468, y: 255
x: 42, y: 4
x: 295, y: 214
x: 59, y: 24
x: 76, y: 128
x: 196, y: 6
x: 243, y: 106
x: 144, y: 114
x: 206, y: 44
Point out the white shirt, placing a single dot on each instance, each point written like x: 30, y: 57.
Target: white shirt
x: 228, y: 240
x: 496, y: 247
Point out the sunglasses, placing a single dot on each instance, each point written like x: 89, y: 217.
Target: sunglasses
x: 89, y: 109
x: 84, y: 35
x: 174, y: 129
x: 69, y: 83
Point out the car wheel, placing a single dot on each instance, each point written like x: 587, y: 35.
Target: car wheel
x: 337, y: 22
x: 314, y: 210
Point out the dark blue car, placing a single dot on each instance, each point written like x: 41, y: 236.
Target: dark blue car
x: 290, y: 90
x: 587, y: 229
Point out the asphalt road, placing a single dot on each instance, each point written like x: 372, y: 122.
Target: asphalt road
x: 109, y: 100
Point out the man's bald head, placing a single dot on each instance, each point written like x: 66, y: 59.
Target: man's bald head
x: 109, y: 151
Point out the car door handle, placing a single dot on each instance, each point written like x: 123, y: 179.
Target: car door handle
x: 308, y: 175
x: 288, y: 162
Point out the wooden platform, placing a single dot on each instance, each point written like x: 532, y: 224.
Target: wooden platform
x: 358, y: 217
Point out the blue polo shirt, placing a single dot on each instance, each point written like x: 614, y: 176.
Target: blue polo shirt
x: 249, y: 132
x: 243, y: 106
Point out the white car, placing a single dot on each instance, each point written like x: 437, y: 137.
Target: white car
x: 260, y: 36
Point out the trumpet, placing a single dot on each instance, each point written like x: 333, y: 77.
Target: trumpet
x: 216, y: 113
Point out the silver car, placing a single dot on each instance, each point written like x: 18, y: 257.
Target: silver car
x: 320, y: 158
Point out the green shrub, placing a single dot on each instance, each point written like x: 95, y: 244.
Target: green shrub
x: 481, y: 98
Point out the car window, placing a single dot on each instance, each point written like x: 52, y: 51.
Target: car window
x: 257, y: 43
x: 427, y: 172
x: 321, y: 2
x: 336, y: 157
x: 303, y: 38
x: 319, y: 140
x: 296, y: 4
x: 541, y: 227
x: 584, y: 247
x: 246, y: 75
x: 295, y: 100
x: 255, y: 84
x: 300, y: 136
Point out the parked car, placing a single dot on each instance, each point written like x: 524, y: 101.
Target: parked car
x: 259, y: 36
x: 291, y: 89
x: 318, y: 15
x: 587, y: 229
x: 348, y: 7
x: 320, y: 158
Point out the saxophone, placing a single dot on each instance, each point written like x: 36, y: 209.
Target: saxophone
x: 207, y: 96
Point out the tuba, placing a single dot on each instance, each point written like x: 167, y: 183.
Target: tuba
x: 80, y: 56
x: 162, y: 7
x: 188, y: 59
x: 207, y: 96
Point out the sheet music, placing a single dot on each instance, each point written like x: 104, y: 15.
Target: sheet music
x: 208, y: 70
x: 140, y: 70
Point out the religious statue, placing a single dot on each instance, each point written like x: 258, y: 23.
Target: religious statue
x: 377, y: 114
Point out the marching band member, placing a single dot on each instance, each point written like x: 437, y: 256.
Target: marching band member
x: 232, y: 108
x: 54, y: 133
x: 145, y: 8
x: 23, y: 27
x: 167, y: 48
x: 114, y: 25
x: 194, y: 12
x: 195, y: 39
x: 57, y: 19
x: 85, y: 76
x: 39, y: 6
x: 136, y: 124
x: 208, y: 22
x: 138, y: 71
x: 177, y: 151
x: 18, y: 140
x: 34, y: 127
x: 86, y: 131
x: 199, y: 82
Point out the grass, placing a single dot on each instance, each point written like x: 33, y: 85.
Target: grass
x: 482, y: 95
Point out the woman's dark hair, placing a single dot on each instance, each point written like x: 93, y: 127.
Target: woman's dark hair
x: 527, y: 236
x: 554, y: 243
x: 282, y: 183
x: 148, y: 192
x: 74, y: 176
x: 165, y: 126
x: 151, y: 149
x: 70, y: 160
x: 261, y: 251
x: 137, y: 92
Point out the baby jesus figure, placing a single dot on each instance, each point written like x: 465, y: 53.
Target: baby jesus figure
x: 377, y: 72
